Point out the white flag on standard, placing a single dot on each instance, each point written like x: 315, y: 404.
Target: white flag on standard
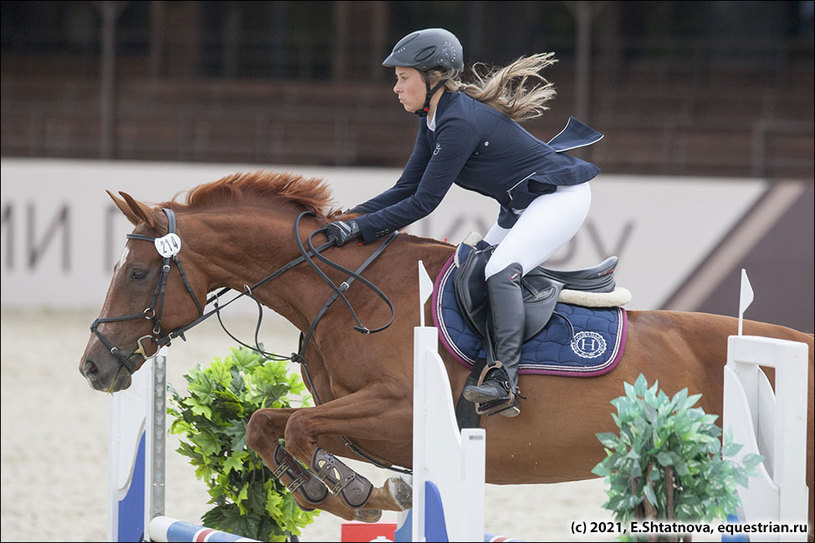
x: 425, y: 290
x: 745, y: 297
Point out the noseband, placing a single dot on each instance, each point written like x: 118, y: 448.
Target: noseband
x: 168, y: 247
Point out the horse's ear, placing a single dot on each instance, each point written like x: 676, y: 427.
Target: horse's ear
x: 135, y: 211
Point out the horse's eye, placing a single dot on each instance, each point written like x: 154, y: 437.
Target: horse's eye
x: 138, y: 275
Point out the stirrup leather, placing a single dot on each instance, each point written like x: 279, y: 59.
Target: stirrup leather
x: 302, y: 480
x: 354, y: 489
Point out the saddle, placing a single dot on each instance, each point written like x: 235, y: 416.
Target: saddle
x: 541, y: 287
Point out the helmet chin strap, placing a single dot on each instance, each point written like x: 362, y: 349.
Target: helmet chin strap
x: 430, y: 92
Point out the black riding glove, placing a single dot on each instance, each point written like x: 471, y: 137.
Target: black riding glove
x: 341, y: 232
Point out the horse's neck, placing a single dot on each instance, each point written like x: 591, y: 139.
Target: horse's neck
x: 248, y: 249
x: 253, y: 244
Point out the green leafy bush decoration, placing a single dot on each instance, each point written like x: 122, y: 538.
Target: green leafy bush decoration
x: 248, y: 499
x: 667, y: 463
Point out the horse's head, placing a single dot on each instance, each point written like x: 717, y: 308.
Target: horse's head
x: 159, y: 285
x: 150, y: 295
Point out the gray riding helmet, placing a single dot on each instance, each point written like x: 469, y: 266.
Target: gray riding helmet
x: 431, y: 48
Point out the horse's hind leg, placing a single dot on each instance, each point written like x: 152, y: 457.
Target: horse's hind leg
x: 263, y: 432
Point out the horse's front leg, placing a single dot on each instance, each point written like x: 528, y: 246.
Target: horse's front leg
x: 382, y: 411
x: 263, y: 433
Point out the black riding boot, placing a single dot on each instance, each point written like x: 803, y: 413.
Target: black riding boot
x: 507, y: 311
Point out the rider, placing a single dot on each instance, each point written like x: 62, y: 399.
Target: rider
x: 469, y: 135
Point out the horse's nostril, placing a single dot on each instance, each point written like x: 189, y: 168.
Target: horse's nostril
x: 89, y: 369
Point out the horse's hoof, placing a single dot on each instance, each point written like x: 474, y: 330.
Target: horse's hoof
x: 401, y: 491
x: 368, y: 515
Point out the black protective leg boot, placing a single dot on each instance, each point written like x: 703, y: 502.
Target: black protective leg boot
x: 507, y: 312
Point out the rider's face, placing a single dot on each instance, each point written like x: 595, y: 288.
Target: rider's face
x: 410, y: 88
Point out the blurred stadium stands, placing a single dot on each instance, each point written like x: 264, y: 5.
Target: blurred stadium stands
x: 679, y: 88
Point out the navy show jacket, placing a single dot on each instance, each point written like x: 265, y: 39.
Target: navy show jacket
x: 480, y: 149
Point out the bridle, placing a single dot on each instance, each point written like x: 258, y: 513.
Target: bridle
x: 168, y: 246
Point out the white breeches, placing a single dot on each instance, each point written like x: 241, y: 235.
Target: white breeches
x: 547, y: 224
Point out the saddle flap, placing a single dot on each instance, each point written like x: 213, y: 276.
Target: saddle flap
x: 539, y: 304
x: 471, y: 294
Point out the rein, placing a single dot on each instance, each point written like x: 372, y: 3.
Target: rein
x: 306, y: 256
x: 169, y: 246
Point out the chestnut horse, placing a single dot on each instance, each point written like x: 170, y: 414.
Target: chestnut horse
x: 240, y: 229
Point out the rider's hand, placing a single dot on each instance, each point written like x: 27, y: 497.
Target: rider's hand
x: 341, y: 232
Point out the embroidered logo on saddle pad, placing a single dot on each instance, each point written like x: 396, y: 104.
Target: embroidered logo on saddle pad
x: 578, y: 341
x: 588, y: 344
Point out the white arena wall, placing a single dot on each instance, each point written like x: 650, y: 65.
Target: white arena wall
x: 61, y: 233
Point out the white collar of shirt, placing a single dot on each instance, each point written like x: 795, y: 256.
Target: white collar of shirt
x: 431, y: 122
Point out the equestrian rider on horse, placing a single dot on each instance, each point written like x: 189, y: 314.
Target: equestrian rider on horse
x: 470, y: 135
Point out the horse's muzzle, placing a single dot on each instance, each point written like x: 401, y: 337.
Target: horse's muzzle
x: 104, y: 381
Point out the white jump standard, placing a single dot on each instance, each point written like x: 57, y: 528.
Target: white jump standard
x: 137, y: 468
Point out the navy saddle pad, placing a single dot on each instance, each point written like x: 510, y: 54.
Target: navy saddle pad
x: 595, y: 347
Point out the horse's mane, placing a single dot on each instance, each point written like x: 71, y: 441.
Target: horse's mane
x: 264, y: 188
x: 258, y: 188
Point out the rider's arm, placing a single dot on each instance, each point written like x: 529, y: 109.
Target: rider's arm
x: 408, y: 182
x: 454, y: 144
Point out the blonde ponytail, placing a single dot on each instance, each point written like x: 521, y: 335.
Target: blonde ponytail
x: 516, y: 90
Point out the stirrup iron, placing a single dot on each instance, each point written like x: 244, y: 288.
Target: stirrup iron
x: 506, y: 406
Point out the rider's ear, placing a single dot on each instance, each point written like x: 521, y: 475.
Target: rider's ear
x: 135, y: 211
